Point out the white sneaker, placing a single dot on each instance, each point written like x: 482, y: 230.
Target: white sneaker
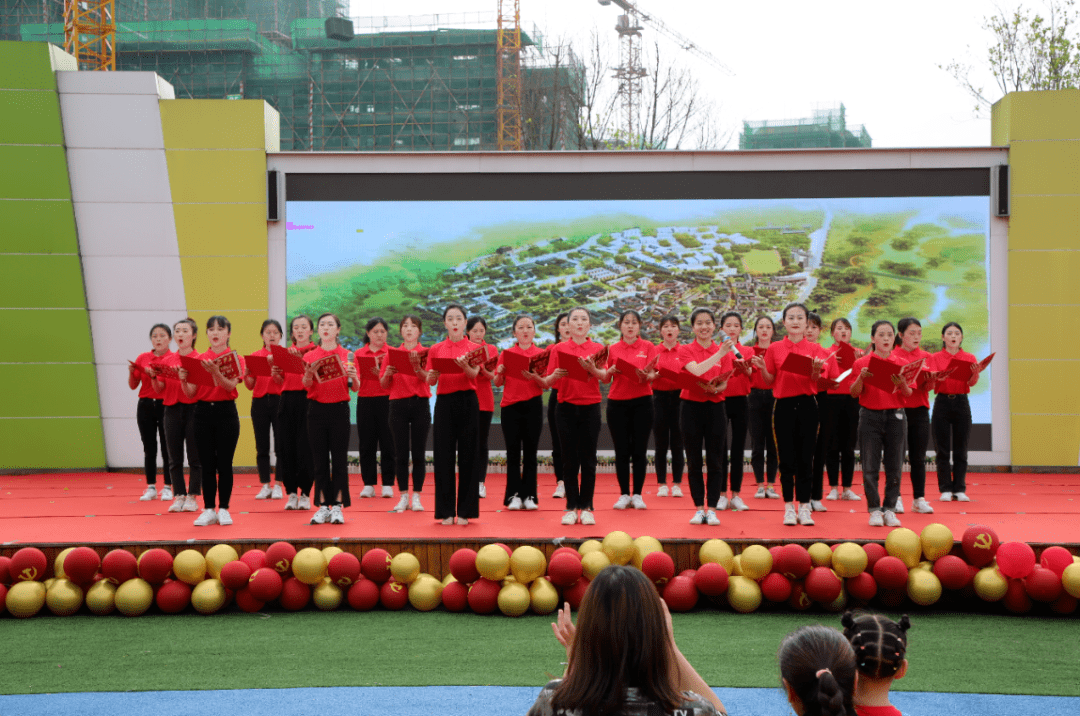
x: 148, y: 494
x: 850, y: 496
x: 587, y: 518
x: 890, y: 519
x: 530, y: 504
x: 961, y: 497
x: 483, y: 490
x: 223, y: 517
x: 771, y: 493
x: 291, y: 503
x: 676, y: 491
x: 277, y: 494
x: 191, y: 504
x: 922, y: 507
x: 515, y: 503
x: 637, y: 502
x: 560, y: 491
x: 368, y: 491
x: 304, y: 503
x: 790, y: 517
x: 177, y: 504
x: 417, y: 506
x: 899, y: 506
x: 448, y: 521
x: 712, y: 519
x: 698, y: 518
x: 166, y: 493
x: 946, y: 497
x: 722, y: 503
x: 738, y: 505
x: 877, y: 519
x: 264, y: 493
x: 321, y: 516
x: 570, y: 518
x: 833, y: 494
x: 403, y: 504
x: 388, y: 491
x: 662, y: 491
x: 208, y: 517
x: 336, y: 517
x: 805, y: 516
x: 623, y: 502
x: 817, y: 506
x: 760, y: 494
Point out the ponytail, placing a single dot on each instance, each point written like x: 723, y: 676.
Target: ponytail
x: 818, y: 665
x: 830, y: 696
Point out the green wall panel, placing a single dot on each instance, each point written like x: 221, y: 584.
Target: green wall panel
x: 41, y: 282
x: 67, y: 338
x: 28, y: 117
x: 26, y: 65
x: 33, y: 173
x: 51, y: 444
x: 49, y: 390
x: 37, y: 227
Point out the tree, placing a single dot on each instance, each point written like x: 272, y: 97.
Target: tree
x: 1028, y: 52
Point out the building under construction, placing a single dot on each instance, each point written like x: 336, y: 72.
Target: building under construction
x: 828, y: 127
x: 418, y: 83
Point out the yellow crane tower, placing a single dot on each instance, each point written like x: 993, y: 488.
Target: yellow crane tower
x: 508, y: 74
x: 90, y: 33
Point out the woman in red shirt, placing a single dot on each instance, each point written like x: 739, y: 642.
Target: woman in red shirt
x: 667, y: 430
x: 629, y: 409
x: 410, y: 417
x: 456, y: 416
x: 882, y: 427
x: 295, y: 469
x: 917, y: 410
x: 265, y: 398
x: 951, y: 421
x: 328, y: 423
x: 373, y: 412
x: 180, y: 422
x: 522, y: 418
x: 762, y: 441
x: 150, y: 412
x: 737, y: 414
x: 476, y: 329
x: 562, y: 333
x: 840, y: 420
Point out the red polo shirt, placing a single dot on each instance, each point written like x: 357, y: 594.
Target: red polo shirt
x: 265, y: 385
x: 627, y: 387
x: 786, y: 384
x: 295, y: 381
x: 920, y: 397
x: 451, y: 382
x: 693, y: 352
x: 485, y: 396
x: 951, y: 386
x: 578, y: 392
x: 873, y: 398
x: 332, y: 391
x: 217, y: 393
x: 146, y: 383
x: 408, y: 386
x: 739, y: 382
x: 515, y: 388
x: 670, y: 358
x: 369, y: 384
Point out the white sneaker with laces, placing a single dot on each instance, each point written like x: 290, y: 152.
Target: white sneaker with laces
x: 850, y: 496
x: 922, y: 507
x: 177, y: 504
x: 805, y: 516
x: 336, y: 516
x: 387, y: 491
x: 790, y: 516
x: 946, y: 497
x: 368, y: 491
x: 817, y: 506
x: 638, y: 503
x: 662, y: 491
x: 530, y: 504
x: 676, y: 490
x: 587, y: 518
x: 760, y: 494
x: 961, y: 497
x: 148, y: 494
x: 321, y: 516
x: 417, y: 506
x: 738, y: 505
x: 191, y: 504
x: 833, y: 494
x: 722, y: 503
x: 712, y: 519
x: 304, y: 503
x: 623, y: 502
x: 771, y: 493
x: 570, y: 518
x: 264, y: 493
x: 223, y: 517
x: 291, y: 503
x: 166, y: 493
x: 891, y: 519
x: 899, y: 506
x: 277, y: 494
x: 877, y: 519
x: 560, y: 491
x: 515, y: 503
x: 208, y: 517
x: 483, y: 490
x: 403, y: 504
x: 698, y: 518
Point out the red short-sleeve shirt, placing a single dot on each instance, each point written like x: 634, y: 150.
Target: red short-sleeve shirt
x: 451, y: 382
x: 217, y: 393
x: 739, y: 382
x: 951, y: 386
x: 627, y: 387
x: 369, y: 384
x: 693, y: 352
x: 787, y: 384
x: 407, y: 386
x: 265, y: 385
x: 332, y: 391
x: 515, y: 388
x: 578, y: 392
x: 920, y: 397
x: 146, y: 383
x: 295, y: 381
x: 485, y: 396
x: 873, y: 398
x: 671, y: 359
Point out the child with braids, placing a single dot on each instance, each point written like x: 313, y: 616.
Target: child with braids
x: 880, y: 646
x: 817, y: 668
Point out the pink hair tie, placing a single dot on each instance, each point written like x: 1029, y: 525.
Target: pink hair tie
x: 822, y: 671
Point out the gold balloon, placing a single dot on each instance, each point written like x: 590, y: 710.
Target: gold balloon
x: 1070, y: 579
x: 217, y: 557
x: 937, y: 541
x: 926, y: 565
x: 756, y: 561
x: 208, y: 596
x: 849, y: 560
x: 718, y: 551
x: 527, y: 563
x: 743, y: 594
x: 64, y: 598
x: 425, y: 593
x: 543, y: 596
x: 820, y: 554
x: 25, y: 599
x: 618, y: 547
x: 493, y: 562
x: 58, y: 563
x: 645, y: 545
x: 592, y: 563
x: 326, y: 595
x: 990, y: 584
x: 189, y: 566
x: 839, y: 604
x: 905, y: 545
x: 514, y: 599
x: 736, y: 565
x: 101, y: 597
x: 590, y: 545
x: 448, y: 578
x: 309, y: 566
x: 330, y: 552
x: 923, y: 587
x: 135, y: 596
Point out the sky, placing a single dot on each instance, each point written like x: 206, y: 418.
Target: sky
x: 881, y: 60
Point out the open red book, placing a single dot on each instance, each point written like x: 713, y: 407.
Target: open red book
x: 477, y: 356
x: 514, y: 363
x: 539, y: 364
x: 846, y: 355
x: 288, y: 362
x: 329, y: 368
x: 881, y: 374
x: 446, y: 365
x: 962, y: 368
x: 798, y: 364
x: 258, y: 366
x: 628, y: 369
x: 574, y: 371
x: 196, y: 374
x: 168, y: 372
x: 229, y: 365
x: 909, y: 372
x: 402, y: 359
x: 491, y: 363
x: 367, y: 367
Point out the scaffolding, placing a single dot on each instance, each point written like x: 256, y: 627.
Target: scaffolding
x: 827, y: 128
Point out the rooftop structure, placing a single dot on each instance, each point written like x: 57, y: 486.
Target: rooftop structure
x: 827, y: 127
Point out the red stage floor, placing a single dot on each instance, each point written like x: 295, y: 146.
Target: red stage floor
x: 103, y: 508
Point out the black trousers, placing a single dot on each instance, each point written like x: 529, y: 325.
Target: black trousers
x: 881, y: 433
x: 295, y: 468
x: 820, y: 449
x: 410, y: 420
x: 264, y: 419
x: 918, y: 439
x: 795, y: 423
x: 217, y: 430
x: 704, y: 425
x: 553, y: 431
x: 180, y: 434
x: 839, y: 433
x: 762, y: 439
x: 521, y: 426
x: 483, y: 431
x: 667, y: 434
x: 630, y: 422
x: 737, y: 412
x: 150, y: 417
x: 373, y: 429
x: 952, y: 429
x: 579, y: 430
x: 328, y: 428
x: 455, y: 437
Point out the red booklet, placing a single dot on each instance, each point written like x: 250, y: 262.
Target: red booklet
x: 539, y: 364
x: 962, y: 368
x: 477, y: 356
x: 628, y: 369
x: 514, y: 363
x: 258, y: 366
x: 846, y: 355
x: 569, y: 363
x: 402, y: 359
x: 446, y: 365
x: 367, y: 367
x: 881, y: 373
x: 798, y: 364
x: 759, y: 351
x: 230, y: 367
x: 910, y: 371
x: 288, y: 362
x: 168, y: 372
x: 329, y: 368
x: 197, y: 375
x: 601, y: 356
x: 491, y: 363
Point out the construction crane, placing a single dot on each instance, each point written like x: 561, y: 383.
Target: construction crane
x: 508, y: 77
x: 90, y: 33
x: 629, y: 73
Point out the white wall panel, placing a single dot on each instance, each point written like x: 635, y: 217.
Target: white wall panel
x: 119, y: 175
x: 120, y: 336
x: 110, y: 83
x: 125, y: 229
x: 142, y: 283
x: 123, y: 446
x: 111, y: 121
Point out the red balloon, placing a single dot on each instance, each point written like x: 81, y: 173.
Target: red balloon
x: 279, y: 557
x: 394, y: 595
x: 799, y: 599
x: 1056, y: 559
x: 455, y: 597
x: 509, y: 552
x: 173, y: 596
x: 691, y: 573
x: 890, y: 573
x: 343, y: 569
x: 563, y: 569
x: 28, y: 565
x: 659, y: 567
x: 463, y: 566
x: 484, y: 596
x: 265, y: 584
x: 953, y: 572
x: 1065, y: 604
x: 822, y: 585
x: 254, y: 558
x: 776, y: 587
x: 1015, y: 560
x: 862, y: 586
x: 574, y: 593
x: 81, y: 564
x: 248, y: 603
x: 775, y: 552
x: 712, y: 579
x: 874, y: 552
x: 235, y: 574
x: 794, y: 561
x: 5, y: 570
x: 566, y: 550
x: 295, y: 595
x: 363, y: 595
x: 3, y: 592
x: 1043, y: 585
x: 680, y: 594
x: 1016, y: 599
x: 980, y: 544
x: 155, y: 565
x: 119, y: 565
x: 375, y: 565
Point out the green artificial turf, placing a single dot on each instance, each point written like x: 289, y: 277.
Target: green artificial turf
x: 948, y: 652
